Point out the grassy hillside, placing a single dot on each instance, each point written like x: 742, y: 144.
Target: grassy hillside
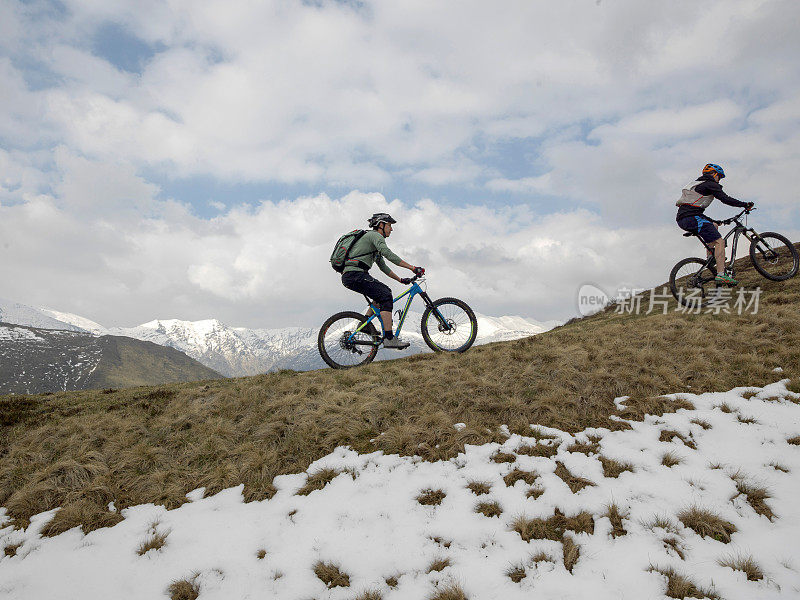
x: 129, y: 362
x: 83, y: 450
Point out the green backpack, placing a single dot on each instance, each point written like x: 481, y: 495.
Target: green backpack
x: 341, y: 251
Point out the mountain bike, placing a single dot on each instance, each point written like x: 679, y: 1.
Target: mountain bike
x: 772, y: 255
x: 349, y: 339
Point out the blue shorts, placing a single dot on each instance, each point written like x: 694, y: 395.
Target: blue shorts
x: 701, y: 226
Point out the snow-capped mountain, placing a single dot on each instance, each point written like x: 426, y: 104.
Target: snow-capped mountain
x: 238, y: 351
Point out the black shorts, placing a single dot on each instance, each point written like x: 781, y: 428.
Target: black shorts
x: 701, y: 226
x: 363, y: 283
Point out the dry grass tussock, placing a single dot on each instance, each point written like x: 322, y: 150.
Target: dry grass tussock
x: 615, y: 515
x: 331, y: 575
x: 451, y: 591
x: 369, y: 595
x: 542, y: 450
x: 11, y: 549
x: 318, y: 480
x: 479, y: 487
x: 154, y: 541
x: 571, y: 552
x: 706, y: 523
x: 680, y: 586
x: 575, y: 483
x: 516, y: 475
x: 794, y: 441
x: 614, y: 468
x: 439, y: 564
x: 756, y: 495
x: 702, y: 423
x: 184, y: 589
x: 746, y: 564
x: 667, y: 435
x: 144, y: 445
x: 503, y: 457
x: 516, y: 573
x: 670, y: 459
x: 489, y: 509
x: 431, y: 497
x: 554, y: 527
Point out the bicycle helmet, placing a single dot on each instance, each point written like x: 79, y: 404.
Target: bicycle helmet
x: 379, y: 218
x: 712, y: 168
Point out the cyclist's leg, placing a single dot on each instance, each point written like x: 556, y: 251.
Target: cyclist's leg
x: 363, y: 283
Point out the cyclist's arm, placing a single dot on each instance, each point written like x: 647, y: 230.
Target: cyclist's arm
x: 384, y: 252
x: 385, y: 268
x: 712, y: 188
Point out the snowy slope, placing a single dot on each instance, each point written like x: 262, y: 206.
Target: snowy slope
x: 369, y: 524
x: 20, y: 314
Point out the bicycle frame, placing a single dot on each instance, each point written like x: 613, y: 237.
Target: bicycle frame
x: 740, y: 229
x: 412, y: 291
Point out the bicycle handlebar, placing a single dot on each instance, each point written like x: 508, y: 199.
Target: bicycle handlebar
x: 735, y: 217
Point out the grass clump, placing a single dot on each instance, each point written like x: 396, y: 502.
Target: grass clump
x: 318, y: 480
x: 541, y: 450
x: 756, y: 495
x: 794, y: 441
x: 745, y: 564
x: 261, y: 554
x: 392, y: 581
x: 489, y: 509
x: 535, y: 492
x: 586, y: 447
x: 439, y: 564
x: 571, y: 552
x: 452, y: 591
x: 331, y: 575
x: 726, y: 408
x: 516, y: 475
x: 155, y: 541
x: 613, y: 468
x: 661, y: 522
x: 747, y: 420
x: 541, y: 556
x: 706, y: 523
x: 554, y: 527
x: 667, y: 435
x: 516, y: 573
x: 674, y: 543
x: 369, y: 595
x: 702, y: 423
x: 11, y: 549
x: 680, y: 586
x: 779, y: 467
x: 615, y: 515
x: 431, y: 497
x: 184, y: 589
x: 503, y: 457
x: 670, y: 459
x: 479, y: 487
x: 575, y: 483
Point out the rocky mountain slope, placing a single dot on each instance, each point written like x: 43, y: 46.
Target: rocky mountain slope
x: 238, y: 351
x: 35, y: 360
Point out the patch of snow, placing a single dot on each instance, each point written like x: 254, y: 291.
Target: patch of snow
x: 373, y: 528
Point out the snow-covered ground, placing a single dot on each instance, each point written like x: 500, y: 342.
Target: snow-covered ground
x: 368, y: 522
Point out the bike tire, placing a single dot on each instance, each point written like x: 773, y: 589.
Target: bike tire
x: 330, y: 344
x: 683, y: 276
x: 461, y: 316
x: 785, y: 255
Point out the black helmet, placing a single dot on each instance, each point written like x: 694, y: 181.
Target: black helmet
x: 379, y: 218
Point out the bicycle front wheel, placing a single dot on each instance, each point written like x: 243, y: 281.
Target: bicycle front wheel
x: 449, y: 326
x: 691, y: 282
x: 340, y: 347
x: 774, y: 256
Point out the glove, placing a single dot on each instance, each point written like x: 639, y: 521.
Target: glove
x: 419, y: 271
x: 749, y: 206
x: 406, y: 280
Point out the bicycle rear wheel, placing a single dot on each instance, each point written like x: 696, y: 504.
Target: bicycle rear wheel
x: 339, y: 348
x: 692, y: 283
x: 458, y: 331
x: 774, y: 256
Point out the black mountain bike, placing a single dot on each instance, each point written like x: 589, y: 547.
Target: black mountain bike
x: 349, y: 339
x: 692, y: 280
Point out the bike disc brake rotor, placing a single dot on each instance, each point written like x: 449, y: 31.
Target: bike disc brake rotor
x: 450, y: 329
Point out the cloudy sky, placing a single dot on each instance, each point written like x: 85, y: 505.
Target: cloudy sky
x: 196, y: 159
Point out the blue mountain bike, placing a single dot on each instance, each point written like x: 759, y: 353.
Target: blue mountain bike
x: 349, y: 339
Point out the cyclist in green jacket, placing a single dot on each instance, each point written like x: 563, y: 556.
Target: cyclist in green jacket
x: 369, y: 249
